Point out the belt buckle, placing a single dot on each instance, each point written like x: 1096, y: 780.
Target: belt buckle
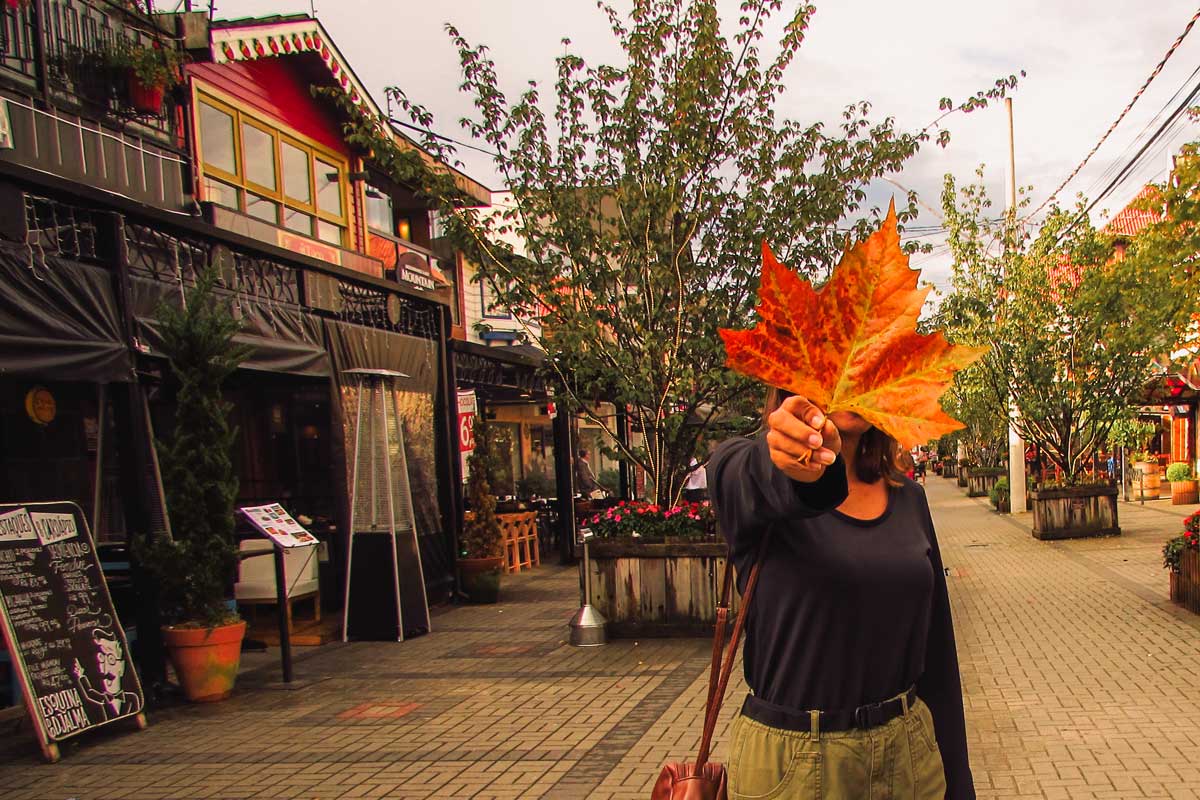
x: 865, y: 716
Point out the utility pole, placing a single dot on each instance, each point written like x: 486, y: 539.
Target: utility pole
x: 1016, y: 447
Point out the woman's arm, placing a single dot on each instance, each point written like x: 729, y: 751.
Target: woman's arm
x: 940, y: 686
x: 749, y: 492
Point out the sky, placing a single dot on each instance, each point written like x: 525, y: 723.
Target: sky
x: 1084, y: 59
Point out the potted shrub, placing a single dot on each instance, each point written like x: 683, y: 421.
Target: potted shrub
x: 194, y: 567
x: 1183, y: 483
x: 999, y: 495
x: 1172, y: 555
x: 481, y: 548
x: 1181, y: 557
x: 149, y: 72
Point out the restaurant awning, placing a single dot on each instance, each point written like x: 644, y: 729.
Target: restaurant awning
x: 59, y: 318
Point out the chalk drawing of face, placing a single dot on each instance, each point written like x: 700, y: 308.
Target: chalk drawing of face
x: 111, y: 664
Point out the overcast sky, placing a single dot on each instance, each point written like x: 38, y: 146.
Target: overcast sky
x: 1085, y: 60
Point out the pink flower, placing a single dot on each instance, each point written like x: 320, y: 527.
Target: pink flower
x: 618, y: 517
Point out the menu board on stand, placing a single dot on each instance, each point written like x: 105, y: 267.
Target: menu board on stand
x: 67, y: 645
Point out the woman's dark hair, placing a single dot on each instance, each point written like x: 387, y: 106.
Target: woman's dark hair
x: 878, y: 454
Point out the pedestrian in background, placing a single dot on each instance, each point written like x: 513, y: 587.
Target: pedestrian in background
x: 695, y: 488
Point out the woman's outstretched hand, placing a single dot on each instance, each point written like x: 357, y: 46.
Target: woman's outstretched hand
x: 802, y: 440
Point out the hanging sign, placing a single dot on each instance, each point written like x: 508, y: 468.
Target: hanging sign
x: 466, y: 425
x: 67, y: 646
x: 278, y: 525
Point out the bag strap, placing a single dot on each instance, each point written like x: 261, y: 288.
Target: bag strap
x: 717, y: 685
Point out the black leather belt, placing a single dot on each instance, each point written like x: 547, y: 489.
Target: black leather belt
x: 863, y: 717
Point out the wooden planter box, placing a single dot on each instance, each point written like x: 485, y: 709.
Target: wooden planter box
x: 1174, y: 586
x: 949, y: 469
x: 657, y: 589
x: 1189, y: 580
x: 980, y: 481
x: 962, y: 477
x: 1075, y: 512
x: 1184, y: 493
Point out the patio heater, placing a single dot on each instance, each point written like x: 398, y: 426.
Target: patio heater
x: 587, y: 626
x: 387, y: 582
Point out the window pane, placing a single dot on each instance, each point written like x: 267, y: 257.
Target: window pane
x: 297, y: 221
x: 328, y: 232
x: 297, y: 167
x: 379, y: 211
x: 261, y: 207
x: 329, y: 188
x: 216, y: 138
x: 221, y: 193
x: 259, y: 156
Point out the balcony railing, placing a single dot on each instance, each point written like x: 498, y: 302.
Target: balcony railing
x: 58, y: 50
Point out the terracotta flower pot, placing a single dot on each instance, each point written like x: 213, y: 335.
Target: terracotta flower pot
x: 480, y: 578
x: 205, y: 659
x: 1184, y: 493
x: 145, y: 99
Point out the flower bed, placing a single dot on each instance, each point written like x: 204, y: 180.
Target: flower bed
x: 655, y: 571
x: 640, y: 520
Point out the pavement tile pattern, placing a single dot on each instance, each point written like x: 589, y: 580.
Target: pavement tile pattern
x: 1080, y: 681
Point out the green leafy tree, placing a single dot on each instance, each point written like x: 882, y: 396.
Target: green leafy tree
x: 1073, y: 331
x: 194, y: 568
x: 643, y: 192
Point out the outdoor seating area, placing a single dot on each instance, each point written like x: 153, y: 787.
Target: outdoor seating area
x: 520, y: 532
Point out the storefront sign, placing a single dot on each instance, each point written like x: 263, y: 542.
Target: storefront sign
x: 413, y: 267
x: 309, y: 247
x: 466, y: 426
x: 40, y: 405
x: 67, y: 645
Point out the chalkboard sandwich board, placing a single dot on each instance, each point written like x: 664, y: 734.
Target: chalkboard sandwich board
x: 67, y: 646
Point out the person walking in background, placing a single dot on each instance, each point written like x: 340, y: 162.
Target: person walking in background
x: 695, y: 488
x: 585, y: 480
x: 849, y: 654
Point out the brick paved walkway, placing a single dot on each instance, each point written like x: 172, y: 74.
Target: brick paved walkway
x: 1079, y: 678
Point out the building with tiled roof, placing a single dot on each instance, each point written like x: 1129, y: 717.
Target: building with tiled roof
x: 1133, y: 219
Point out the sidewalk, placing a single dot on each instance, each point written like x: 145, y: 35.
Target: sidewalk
x: 1079, y: 678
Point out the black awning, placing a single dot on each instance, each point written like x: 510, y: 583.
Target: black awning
x: 282, y: 338
x: 59, y: 319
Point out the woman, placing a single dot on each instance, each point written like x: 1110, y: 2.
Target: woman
x: 849, y: 650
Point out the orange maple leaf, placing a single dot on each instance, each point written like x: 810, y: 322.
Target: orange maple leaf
x: 853, y: 345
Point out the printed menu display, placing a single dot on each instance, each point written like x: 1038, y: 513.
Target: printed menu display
x: 66, y: 643
x: 279, y: 525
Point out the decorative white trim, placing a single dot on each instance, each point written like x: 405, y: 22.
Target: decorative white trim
x: 269, y: 40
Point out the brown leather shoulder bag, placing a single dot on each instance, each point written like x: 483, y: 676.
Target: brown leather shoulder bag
x: 704, y: 779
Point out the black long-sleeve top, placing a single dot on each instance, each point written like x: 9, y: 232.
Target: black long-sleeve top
x: 847, y: 612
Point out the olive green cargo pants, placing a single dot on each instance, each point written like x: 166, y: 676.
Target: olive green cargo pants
x: 895, y: 761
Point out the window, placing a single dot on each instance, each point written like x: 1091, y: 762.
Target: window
x: 379, y: 212
x: 264, y: 173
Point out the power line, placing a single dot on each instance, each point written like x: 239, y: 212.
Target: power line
x: 1178, y: 112
x: 1154, y: 74
x: 443, y: 137
x: 1116, y: 162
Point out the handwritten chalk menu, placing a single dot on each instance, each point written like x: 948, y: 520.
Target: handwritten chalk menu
x: 58, y: 620
x: 278, y: 525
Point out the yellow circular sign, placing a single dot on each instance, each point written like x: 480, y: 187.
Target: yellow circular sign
x: 40, y: 405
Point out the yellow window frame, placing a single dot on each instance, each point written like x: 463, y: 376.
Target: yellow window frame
x: 278, y: 135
